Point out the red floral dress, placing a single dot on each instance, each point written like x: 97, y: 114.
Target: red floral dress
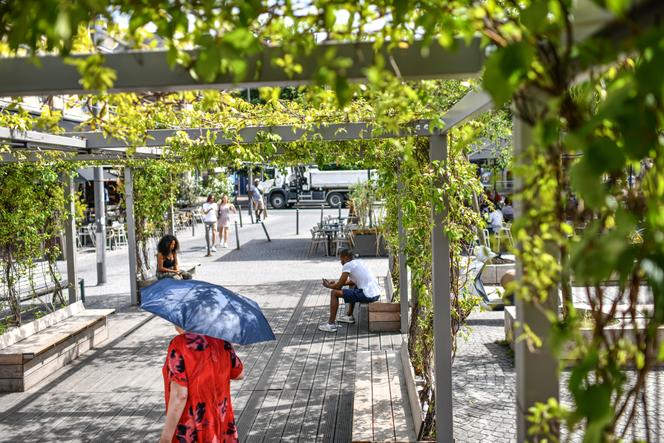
x: 205, y: 365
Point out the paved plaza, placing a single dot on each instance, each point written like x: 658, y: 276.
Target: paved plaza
x: 298, y: 388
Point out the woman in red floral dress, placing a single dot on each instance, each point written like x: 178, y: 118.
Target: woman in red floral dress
x: 197, y: 379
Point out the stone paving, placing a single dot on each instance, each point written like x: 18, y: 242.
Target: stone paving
x: 275, y: 273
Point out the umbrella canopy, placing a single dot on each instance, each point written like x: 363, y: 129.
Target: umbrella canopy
x: 203, y: 308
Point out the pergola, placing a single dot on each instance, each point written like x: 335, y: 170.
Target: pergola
x: 537, y: 378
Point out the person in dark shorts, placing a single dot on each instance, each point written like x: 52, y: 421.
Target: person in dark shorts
x: 362, y: 288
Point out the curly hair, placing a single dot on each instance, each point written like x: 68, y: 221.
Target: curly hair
x: 164, y: 243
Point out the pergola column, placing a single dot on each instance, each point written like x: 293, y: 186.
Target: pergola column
x: 131, y: 233
x: 403, y: 271
x: 442, y: 328
x: 100, y: 220
x: 70, y: 237
x: 536, y: 372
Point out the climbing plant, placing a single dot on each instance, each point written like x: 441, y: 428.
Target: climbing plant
x: 32, y: 213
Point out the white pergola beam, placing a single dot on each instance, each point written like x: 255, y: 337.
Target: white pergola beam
x: 149, y: 70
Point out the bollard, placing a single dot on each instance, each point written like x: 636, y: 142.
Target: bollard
x: 265, y: 230
x: 251, y: 213
x: 321, y: 213
x: 339, y: 212
x: 239, y: 212
x: 193, y: 224
x: 81, y: 284
x: 237, y: 236
x: 297, y: 221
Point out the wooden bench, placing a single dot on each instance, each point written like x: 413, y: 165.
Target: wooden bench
x: 381, y: 410
x: 34, y: 351
x: 382, y: 315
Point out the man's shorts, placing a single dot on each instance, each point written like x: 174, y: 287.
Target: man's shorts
x: 353, y: 295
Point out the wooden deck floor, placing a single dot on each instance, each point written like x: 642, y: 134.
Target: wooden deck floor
x: 298, y: 388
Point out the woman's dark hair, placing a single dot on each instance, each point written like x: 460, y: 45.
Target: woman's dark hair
x: 164, y: 243
x: 210, y: 198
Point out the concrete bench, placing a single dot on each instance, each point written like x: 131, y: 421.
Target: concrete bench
x: 381, y: 410
x: 34, y: 351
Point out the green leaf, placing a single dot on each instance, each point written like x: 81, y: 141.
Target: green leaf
x: 505, y: 69
x: 207, y: 64
x: 588, y: 182
x: 243, y: 40
x: 343, y: 90
x: 534, y: 16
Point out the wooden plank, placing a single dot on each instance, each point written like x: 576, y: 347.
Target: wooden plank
x: 42, y: 371
x: 312, y: 415
x: 403, y: 425
x: 21, y: 333
x: 384, y: 326
x: 362, y: 403
x: 260, y: 426
x: 142, y: 418
x: 384, y: 307
x: 249, y: 414
x: 379, y: 316
x: 296, y: 416
x: 409, y: 381
x: 11, y: 371
x: 278, y: 423
x: 383, y: 423
x: 40, y: 342
x: 294, y: 376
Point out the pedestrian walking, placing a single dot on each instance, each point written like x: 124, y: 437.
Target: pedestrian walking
x: 224, y: 220
x: 257, y: 200
x: 210, y: 209
x: 197, y: 381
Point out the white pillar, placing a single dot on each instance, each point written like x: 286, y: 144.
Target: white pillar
x: 442, y: 328
x: 536, y: 372
x: 403, y: 271
x: 100, y: 220
x: 70, y: 238
x: 131, y: 233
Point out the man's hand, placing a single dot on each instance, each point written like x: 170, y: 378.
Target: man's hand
x: 326, y: 283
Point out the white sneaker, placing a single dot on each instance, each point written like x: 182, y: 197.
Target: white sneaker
x: 346, y: 319
x: 213, y: 249
x: 225, y: 245
x: 326, y: 327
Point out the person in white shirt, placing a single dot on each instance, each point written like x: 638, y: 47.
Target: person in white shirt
x: 362, y: 288
x: 495, y: 220
x: 210, y: 209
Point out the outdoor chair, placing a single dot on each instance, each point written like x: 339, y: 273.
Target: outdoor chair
x: 120, y: 234
x: 317, y: 238
x: 506, y: 231
x: 342, y: 241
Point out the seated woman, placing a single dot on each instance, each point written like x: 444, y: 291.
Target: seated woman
x: 167, y: 259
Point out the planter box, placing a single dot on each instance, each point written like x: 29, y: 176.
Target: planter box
x: 612, y: 331
x: 411, y: 387
x: 384, y: 317
x: 369, y: 245
x: 493, y: 273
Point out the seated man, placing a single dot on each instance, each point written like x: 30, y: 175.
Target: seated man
x: 362, y: 288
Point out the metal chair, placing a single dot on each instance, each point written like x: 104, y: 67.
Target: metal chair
x: 317, y: 238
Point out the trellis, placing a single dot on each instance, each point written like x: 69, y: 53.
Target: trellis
x: 537, y: 378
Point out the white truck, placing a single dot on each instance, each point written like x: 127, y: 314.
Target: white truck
x: 308, y: 184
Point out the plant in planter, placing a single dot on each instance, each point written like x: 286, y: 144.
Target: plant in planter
x: 367, y: 236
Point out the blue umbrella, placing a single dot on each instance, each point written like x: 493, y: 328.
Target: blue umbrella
x: 203, y: 308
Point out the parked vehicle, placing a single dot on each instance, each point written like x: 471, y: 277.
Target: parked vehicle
x: 308, y: 184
